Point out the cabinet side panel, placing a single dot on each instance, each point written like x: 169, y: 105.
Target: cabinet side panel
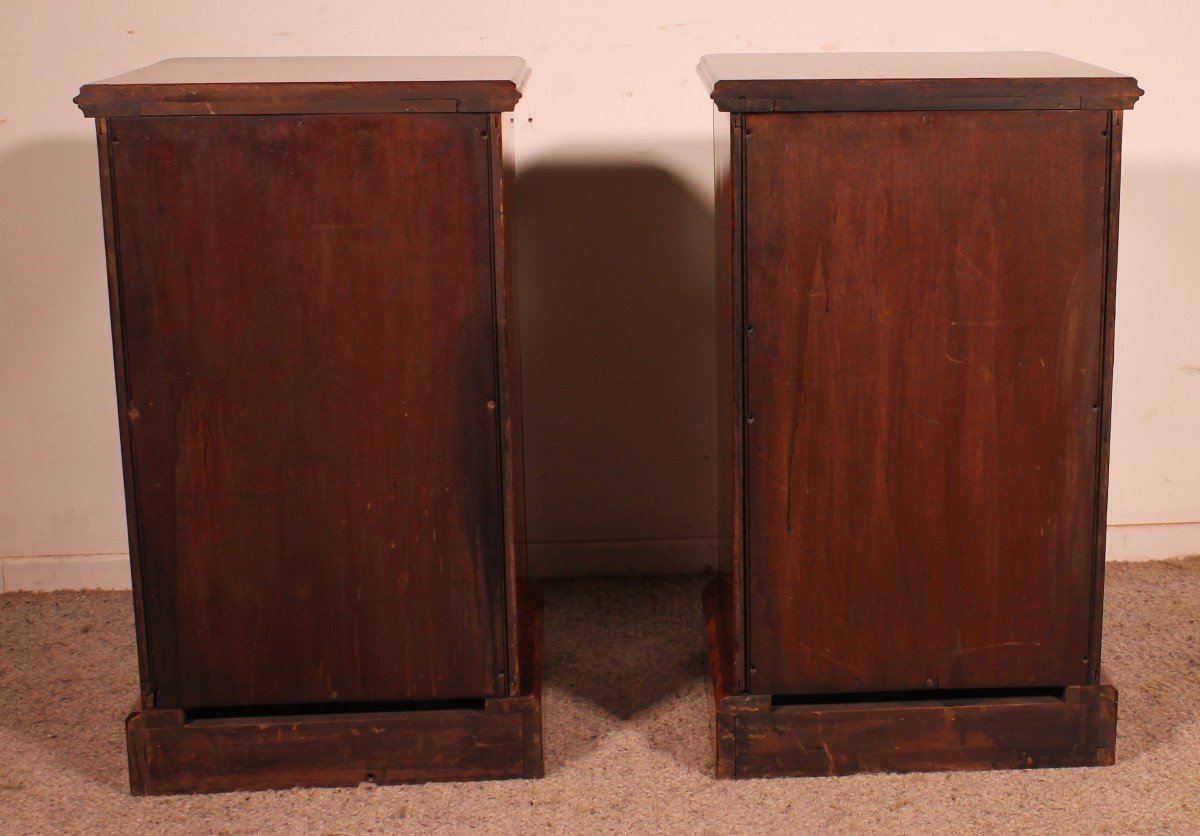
x: 113, y: 262
x: 309, y: 336
x: 926, y: 292
x: 1105, y: 398
x: 727, y: 154
x: 508, y: 348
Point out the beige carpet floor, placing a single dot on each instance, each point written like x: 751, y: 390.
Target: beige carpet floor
x: 626, y: 732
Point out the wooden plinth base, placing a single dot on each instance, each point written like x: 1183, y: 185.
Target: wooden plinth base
x: 758, y: 738
x: 172, y: 753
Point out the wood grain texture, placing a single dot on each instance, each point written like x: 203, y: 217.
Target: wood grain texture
x: 170, y: 752
x: 1100, y: 507
x: 990, y: 733
x: 728, y: 701
x: 112, y: 261
x: 306, y: 308
x: 926, y: 298
x: 922, y: 389
x: 530, y: 615
x: 755, y: 738
x: 170, y: 755
x: 892, y: 81
x: 300, y: 85
x: 730, y: 337
x: 508, y: 348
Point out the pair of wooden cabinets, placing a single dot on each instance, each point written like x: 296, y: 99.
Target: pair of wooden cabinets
x: 317, y: 367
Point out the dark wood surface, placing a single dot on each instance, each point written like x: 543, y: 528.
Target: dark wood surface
x: 924, y: 379
x: 298, y: 85
x: 755, y: 738
x: 311, y: 384
x: 728, y: 145
x: 318, y: 382
x: 124, y: 424
x: 169, y: 755
x: 988, y: 733
x: 849, y: 81
x: 508, y: 345
x: 728, y: 698
x: 1100, y: 504
x: 172, y: 752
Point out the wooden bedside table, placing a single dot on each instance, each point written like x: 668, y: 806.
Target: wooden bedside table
x: 317, y: 375
x: 915, y: 290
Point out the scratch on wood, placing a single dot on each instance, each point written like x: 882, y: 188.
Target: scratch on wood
x: 958, y: 651
x: 830, y: 659
x: 974, y: 267
x: 921, y: 416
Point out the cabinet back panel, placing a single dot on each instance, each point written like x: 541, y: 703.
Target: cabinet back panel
x: 306, y: 305
x: 925, y: 295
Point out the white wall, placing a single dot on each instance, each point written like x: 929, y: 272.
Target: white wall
x: 621, y: 473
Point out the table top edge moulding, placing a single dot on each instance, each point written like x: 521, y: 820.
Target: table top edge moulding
x: 876, y: 81
x: 309, y: 85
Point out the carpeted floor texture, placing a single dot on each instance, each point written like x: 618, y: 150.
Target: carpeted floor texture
x: 626, y: 730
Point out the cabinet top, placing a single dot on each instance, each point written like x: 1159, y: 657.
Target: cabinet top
x: 766, y: 82
x: 231, y: 86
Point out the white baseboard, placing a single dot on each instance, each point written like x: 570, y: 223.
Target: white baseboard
x: 1153, y: 542
x: 43, y: 573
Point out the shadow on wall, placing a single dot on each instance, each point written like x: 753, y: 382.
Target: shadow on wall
x: 616, y: 294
